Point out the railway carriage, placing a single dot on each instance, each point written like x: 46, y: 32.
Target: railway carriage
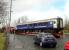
x: 54, y: 25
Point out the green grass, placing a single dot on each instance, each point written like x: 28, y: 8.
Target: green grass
x: 2, y: 41
x: 66, y: 32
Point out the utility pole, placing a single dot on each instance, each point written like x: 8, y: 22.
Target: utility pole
x: 8, y: 27
x: 10, y: 21
x: 10, y: 12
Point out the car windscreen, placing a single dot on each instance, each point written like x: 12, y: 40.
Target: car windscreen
x: 49, y: 38
x: 44, y: 35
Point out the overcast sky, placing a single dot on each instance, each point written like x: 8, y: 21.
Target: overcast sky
x: 40, y: 9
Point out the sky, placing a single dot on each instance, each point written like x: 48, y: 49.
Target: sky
x: 39, y: 9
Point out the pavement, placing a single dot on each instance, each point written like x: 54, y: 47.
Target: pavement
x: 20, y: 42
x: 14, y: 43
x: 11, y: 42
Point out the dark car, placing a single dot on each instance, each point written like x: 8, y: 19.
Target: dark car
x: 66, y: 45
x: 45, y: 40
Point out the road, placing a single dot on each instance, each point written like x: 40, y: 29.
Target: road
x: 21, y: 42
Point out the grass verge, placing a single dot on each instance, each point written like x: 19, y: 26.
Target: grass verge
x: 66, y: 32
x: 2, y: 41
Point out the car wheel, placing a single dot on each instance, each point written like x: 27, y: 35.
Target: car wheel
x: 35, y: 43
x: 41, y: 44
x: 54, y: 46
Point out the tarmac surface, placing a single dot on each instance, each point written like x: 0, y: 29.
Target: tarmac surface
x: 21, y: 42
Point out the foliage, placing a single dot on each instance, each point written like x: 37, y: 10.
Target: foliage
x: 3, y: 11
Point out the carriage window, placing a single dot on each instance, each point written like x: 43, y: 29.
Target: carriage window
x: 0, y: 22
x: 51, y: 22
x: 44, y: 23
x: 61, y: 23
x: 30, y: 24
x: 34, y: 24
x: 54, y: 22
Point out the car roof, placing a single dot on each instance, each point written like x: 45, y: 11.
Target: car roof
x: 45, y: 33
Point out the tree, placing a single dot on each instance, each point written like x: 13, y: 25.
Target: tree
x: 3, y: 11
x: 22, y: 20
x: 66, y: 23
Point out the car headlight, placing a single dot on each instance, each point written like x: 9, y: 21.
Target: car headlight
x: 43, y: 39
